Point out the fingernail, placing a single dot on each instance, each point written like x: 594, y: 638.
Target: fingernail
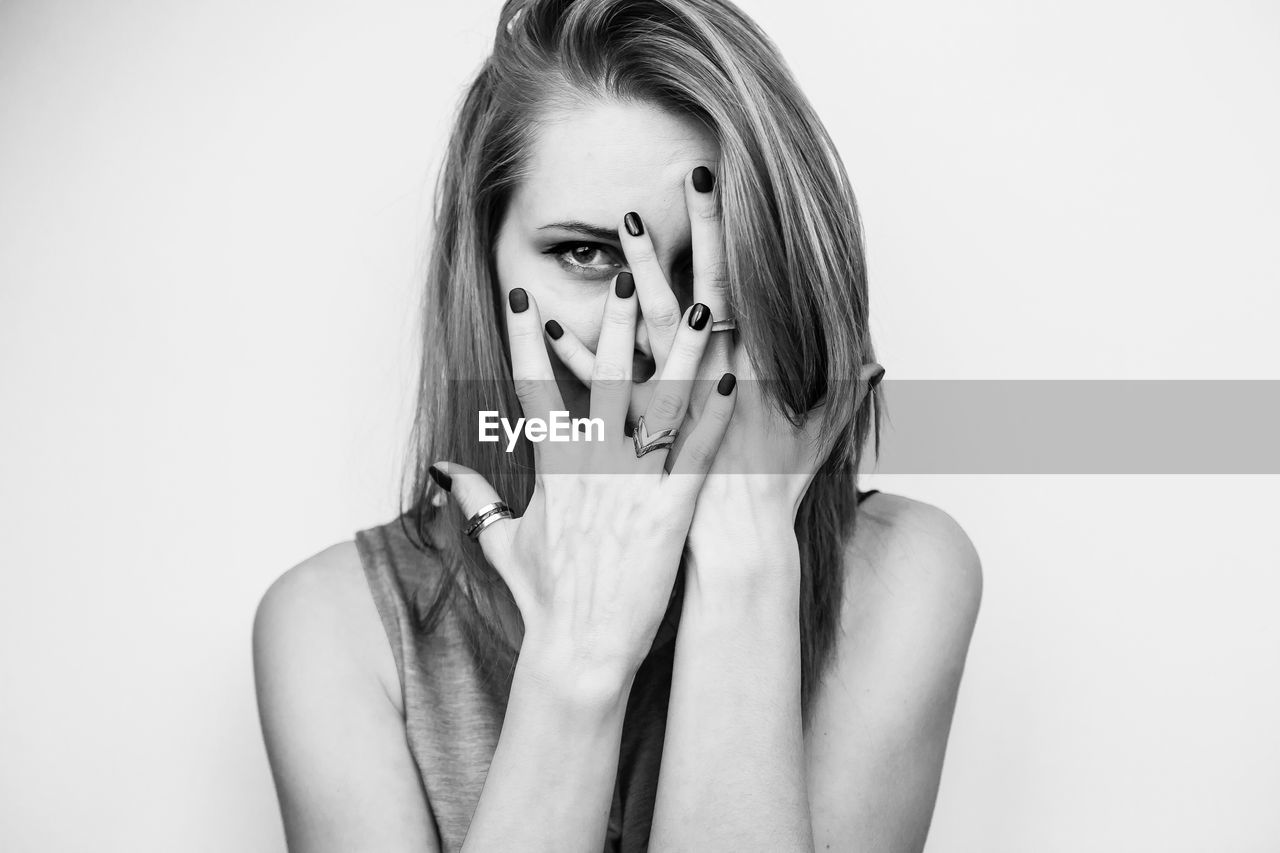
x: 725, y: 386
x: 624, y: 285
x: 634, y: 226
x: 875, y: 380
x: 553, y: 329
x: 703, y: 180
x: 699, y: 316
x: 519, y: 300
x: 442, y: 479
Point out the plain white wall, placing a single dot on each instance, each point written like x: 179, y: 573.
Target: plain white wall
x: 211, y: 231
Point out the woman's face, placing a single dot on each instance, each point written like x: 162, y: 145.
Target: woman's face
x: 558, y: 240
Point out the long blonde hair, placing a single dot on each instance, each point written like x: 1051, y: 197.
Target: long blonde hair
x: 794, y: 252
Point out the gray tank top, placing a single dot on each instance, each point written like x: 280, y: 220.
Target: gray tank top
x: 453, y: 712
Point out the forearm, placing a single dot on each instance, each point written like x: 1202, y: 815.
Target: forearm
x: 550, y: 784
x: 733, y: 776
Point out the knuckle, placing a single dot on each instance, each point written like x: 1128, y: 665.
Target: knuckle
x: 716, y: 272
x: 607, y: 374
x: 699, y: 452
x: 666, y: 318
x: 640, y: 252
x: 667, y: 407
x: 708, y: 211
x: 521, y: 330
x: 719, y: 415
x: 620, y: 313
x: 526, y: 387
x: 689, y: 348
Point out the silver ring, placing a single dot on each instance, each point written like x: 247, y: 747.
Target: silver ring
x: 724, y: 325
x: 646, y: 443
x: 486, y: 515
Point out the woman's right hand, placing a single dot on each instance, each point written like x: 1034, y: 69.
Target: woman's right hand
x: 592, y: 562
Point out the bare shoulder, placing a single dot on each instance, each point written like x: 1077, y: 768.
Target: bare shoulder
x: 884, y: 708
x: 908, y: 553
x: 332, y: 724
x: 322, y: 610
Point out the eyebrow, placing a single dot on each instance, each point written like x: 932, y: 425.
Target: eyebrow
x: 610, y: 234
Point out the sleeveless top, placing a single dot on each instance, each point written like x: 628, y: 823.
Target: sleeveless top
x: 453, y: 712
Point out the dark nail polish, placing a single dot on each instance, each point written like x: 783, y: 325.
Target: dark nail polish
x: 519, y: 300
x: 624, y: 285
x: 703, y: 180
x: 698, y: 317
x: 442, y: 479
x: 553, y: 329
x: 634, y: 226
x: 875, y: 380
x: 725, y: 387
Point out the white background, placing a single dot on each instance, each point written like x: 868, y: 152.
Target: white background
x: 212, y: 224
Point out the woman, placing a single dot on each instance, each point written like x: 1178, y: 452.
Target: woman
x: 698, y: 636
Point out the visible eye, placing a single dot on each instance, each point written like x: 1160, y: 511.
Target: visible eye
x: 586, y: 259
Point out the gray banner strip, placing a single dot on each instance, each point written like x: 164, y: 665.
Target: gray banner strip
x: 1001, y: 427
x: 1136, y: 427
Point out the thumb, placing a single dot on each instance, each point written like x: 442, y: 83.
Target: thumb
x: 472, y: 493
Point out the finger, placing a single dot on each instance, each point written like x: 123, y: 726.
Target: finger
x: 659, y: 306
x: 699, y: 451
x: 570, y: 349
x: 706, y: 231
x: 535, y: 383
x: 471, y: 492
x: 670, y: 400
x: 611, y: 373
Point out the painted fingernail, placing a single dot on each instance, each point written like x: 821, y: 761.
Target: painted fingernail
x: 442, y: 479
x: 725, y: 386
x: 624, y: 285
x: 703, y: 180
x: 698, y: 317
x: 519, y: 300
x: 634, y: 226
x: 875, y: 380
x: 553, y: 329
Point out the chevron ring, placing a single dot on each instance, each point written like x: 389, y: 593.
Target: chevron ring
x: 646, y: 443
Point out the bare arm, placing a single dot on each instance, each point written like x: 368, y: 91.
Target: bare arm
x: 733, y: 770
x: 880, y: 729
x: 736, y: 772
x: 551, y: 782
x: 336, y: 740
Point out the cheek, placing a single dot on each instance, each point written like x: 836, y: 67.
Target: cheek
x: 583, y: 318
x: 576, y: 305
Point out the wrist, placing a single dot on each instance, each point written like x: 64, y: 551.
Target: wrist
x: 574, y: 676
x: 767, y: 555
x: 761, y: 591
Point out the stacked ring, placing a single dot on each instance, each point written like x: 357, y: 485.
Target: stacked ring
x: 486, y: 515
x: 727, y: 325
x: 646, y: 442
